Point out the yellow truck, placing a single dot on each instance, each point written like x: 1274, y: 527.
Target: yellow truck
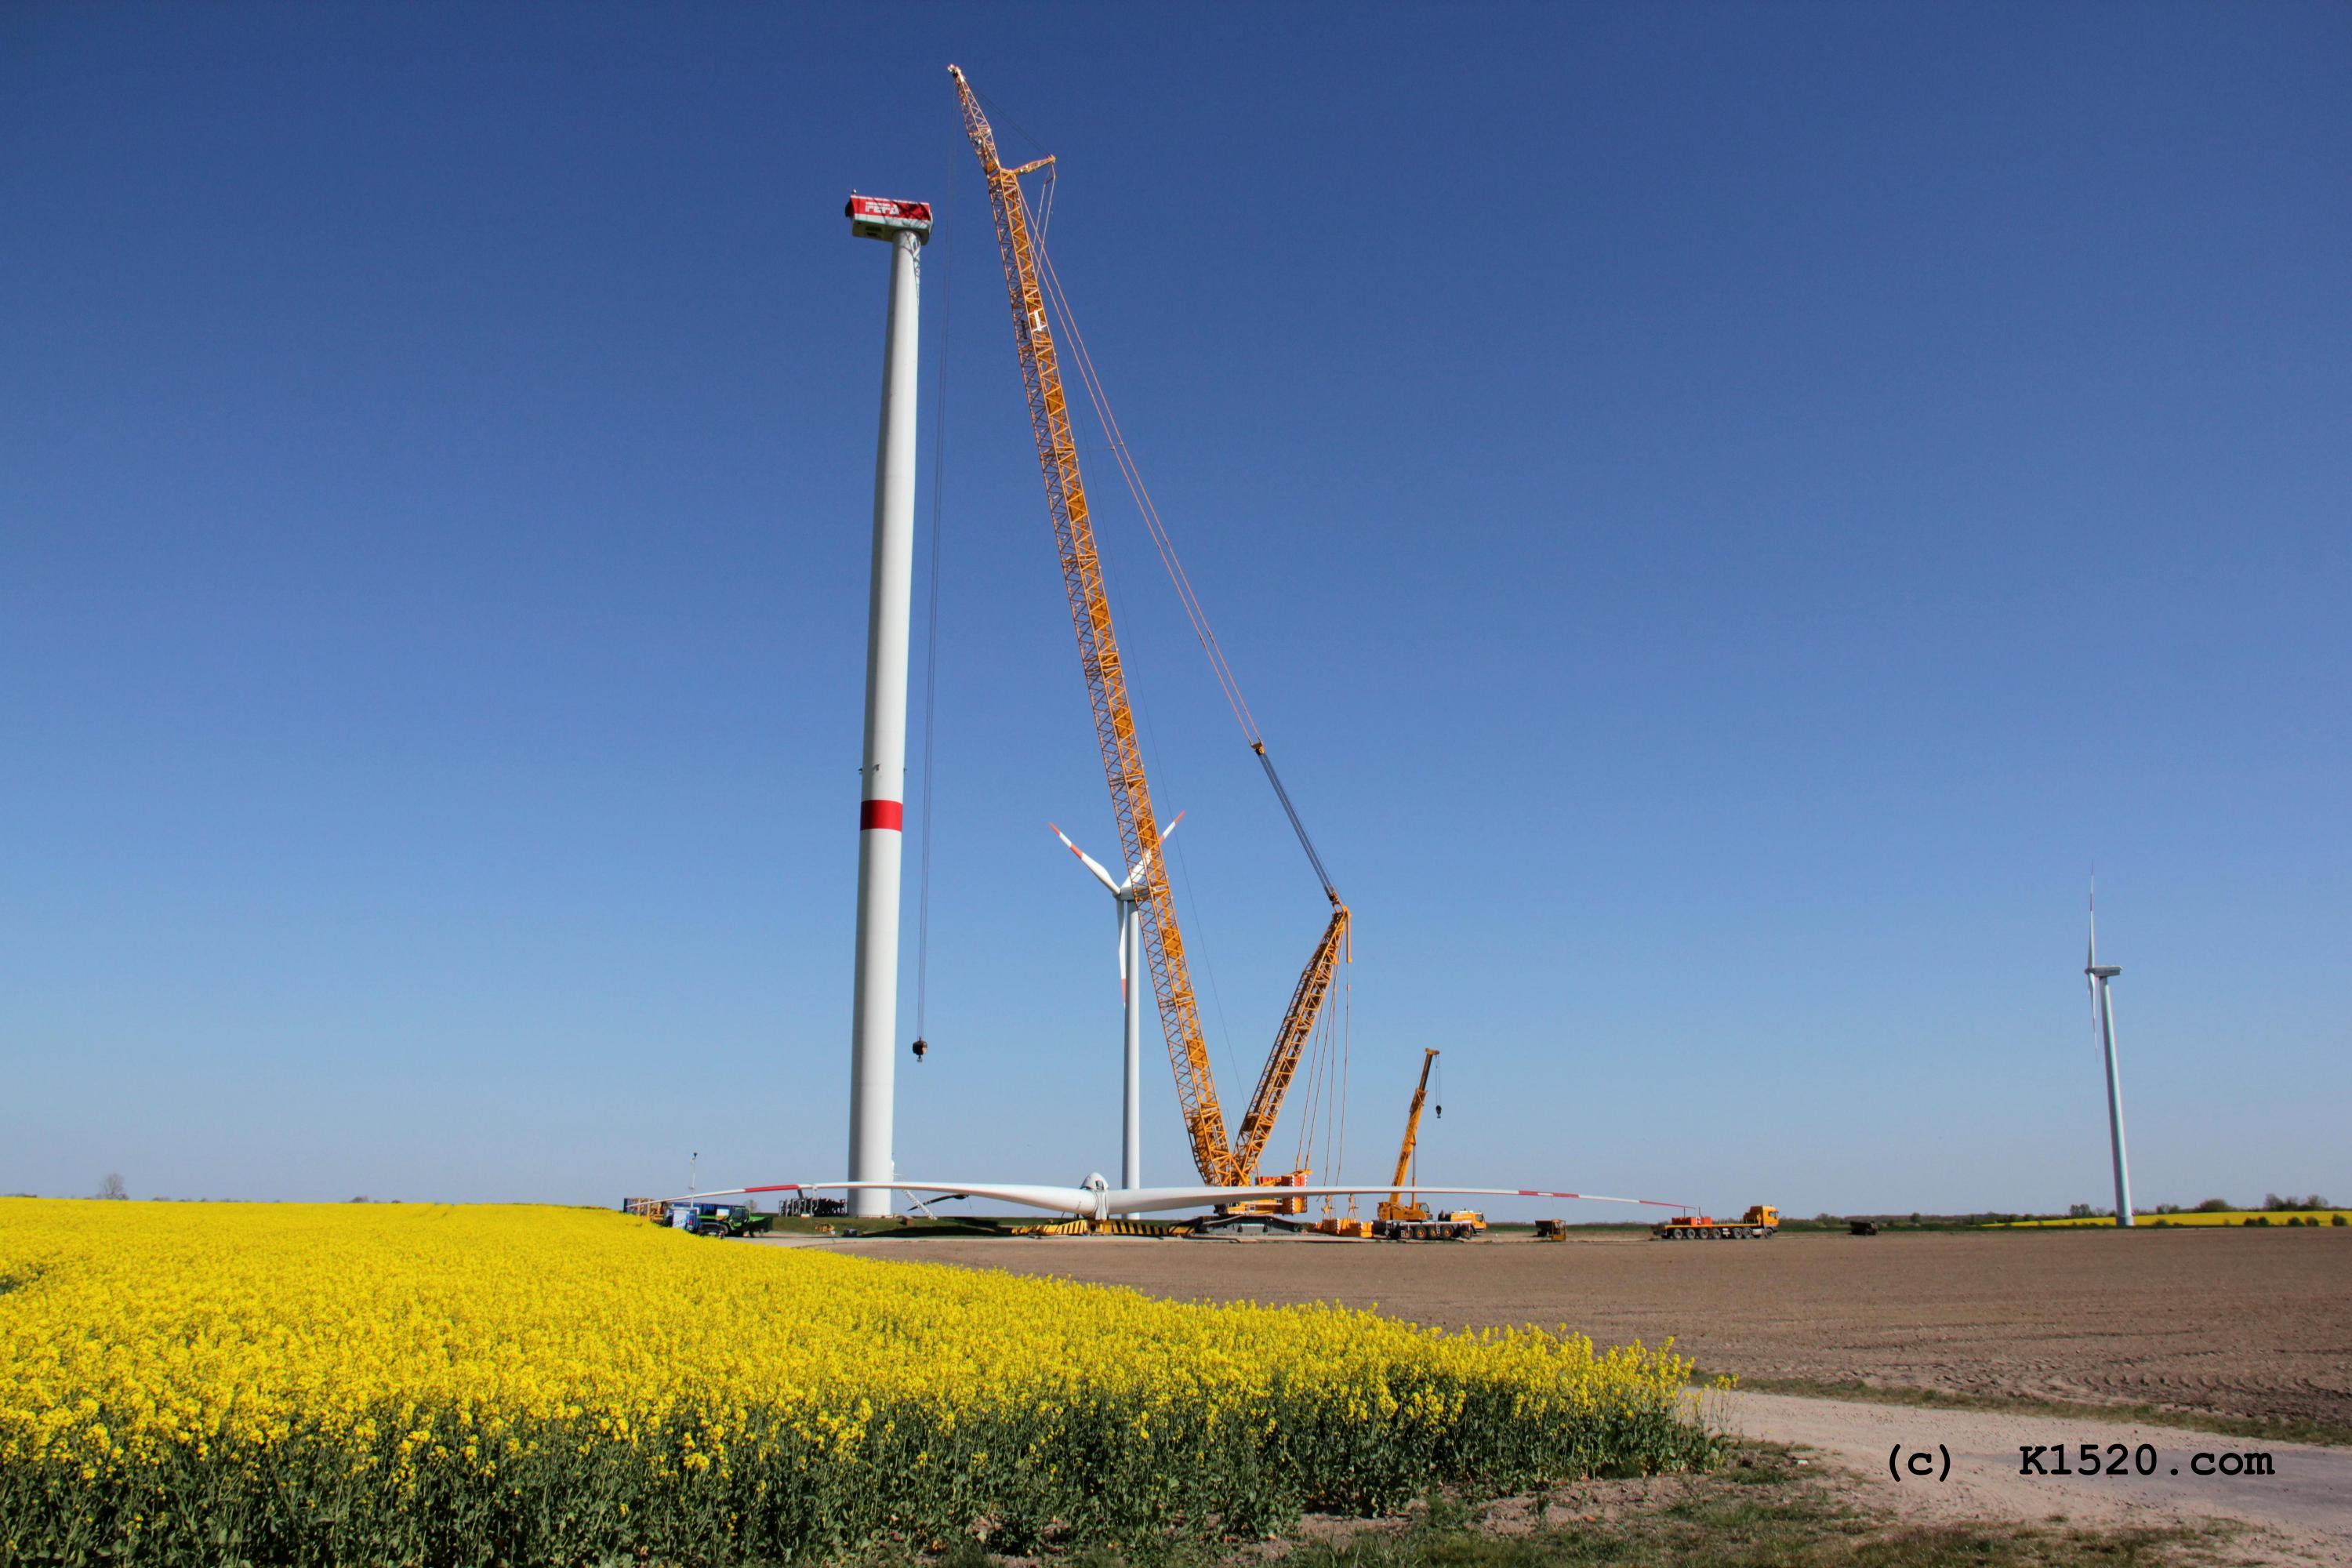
x: 1760, y: 1221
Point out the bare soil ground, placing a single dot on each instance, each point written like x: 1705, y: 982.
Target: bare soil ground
x: 2247, y: 1325
x: 2250, y: 1324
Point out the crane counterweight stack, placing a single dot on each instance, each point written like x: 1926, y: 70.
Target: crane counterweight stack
x: 1221, y: 1161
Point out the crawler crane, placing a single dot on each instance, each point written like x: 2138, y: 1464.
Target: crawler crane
x: 1221, y: 1160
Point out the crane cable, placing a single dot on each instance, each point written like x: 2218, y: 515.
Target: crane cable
x: 1316, y: 1053
x: 932, y: 634
x: 1117, y: 439
x: 1050, y: 287
x: 1222, y: 1045
x: 1326, y: 1107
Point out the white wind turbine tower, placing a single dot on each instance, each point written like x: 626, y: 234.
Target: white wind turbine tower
x: 1129, y: 896
x: 2103, y: 1018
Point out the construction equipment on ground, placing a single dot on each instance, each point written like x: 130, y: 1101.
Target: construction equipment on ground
x: 1397, y: 1220
x: 713, y: 1219
x: 1758, y: 1224
x: 1158, y: 1229
x: 1035, y: 291
x: 1551, y: 1230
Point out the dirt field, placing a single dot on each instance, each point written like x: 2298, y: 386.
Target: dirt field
x: 2253, y: 1324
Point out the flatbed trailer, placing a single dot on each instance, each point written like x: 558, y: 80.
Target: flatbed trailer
x: 1461, y: 1224
x: 1761, y: 1222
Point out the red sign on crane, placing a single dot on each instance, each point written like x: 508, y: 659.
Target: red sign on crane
x: 876, y: 218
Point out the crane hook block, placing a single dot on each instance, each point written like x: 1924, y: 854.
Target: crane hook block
x: 922, y: 1047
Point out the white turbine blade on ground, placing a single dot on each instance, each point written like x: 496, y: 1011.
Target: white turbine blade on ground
x: 1139, y: 1200
x: 1064, y: 1200
x: 1136, y: 872
x: 1091, y: 863
x: 1143, y: 1200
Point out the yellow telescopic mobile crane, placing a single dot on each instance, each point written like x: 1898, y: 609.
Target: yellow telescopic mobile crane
x: 1400, y: 1221
x: 1221, y: 1161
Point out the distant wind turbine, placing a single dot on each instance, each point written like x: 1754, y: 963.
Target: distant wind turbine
x: 2103, y: 1020
x: 1128, y: 896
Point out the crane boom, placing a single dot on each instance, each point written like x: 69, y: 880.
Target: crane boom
x: 1131, y: 795
x: 1412, y: 1130
x: 1221, y: 1161
x: 1290, y: 1043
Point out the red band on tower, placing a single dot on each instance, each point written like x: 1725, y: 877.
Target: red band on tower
x: 886, y: 814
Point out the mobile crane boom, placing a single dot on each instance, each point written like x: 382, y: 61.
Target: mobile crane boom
x: 1221, y: 1161
x: 1412, y: 1132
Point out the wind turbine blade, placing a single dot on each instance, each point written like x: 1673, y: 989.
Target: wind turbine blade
x: 1058, y: 1199
x: 1090, y: 862
x: 1144, y: 1200
x: 1140, y: 1200
x: 2091, y: 962
x: 1135, y: 873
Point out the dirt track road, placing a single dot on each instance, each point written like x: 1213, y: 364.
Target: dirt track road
x: 2303, y: 1512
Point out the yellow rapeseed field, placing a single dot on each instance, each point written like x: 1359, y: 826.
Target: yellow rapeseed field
x: 383, y: 1384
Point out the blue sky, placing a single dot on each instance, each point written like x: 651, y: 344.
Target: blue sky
x: 1723, y: 513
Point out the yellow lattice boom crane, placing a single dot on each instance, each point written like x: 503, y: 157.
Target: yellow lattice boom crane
x: 1221, y: 1160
